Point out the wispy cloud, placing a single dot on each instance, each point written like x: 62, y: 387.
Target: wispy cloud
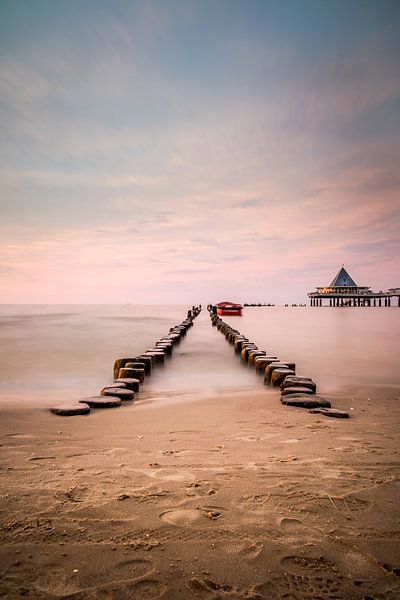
x: 196, y: 150
x: 250, y: 203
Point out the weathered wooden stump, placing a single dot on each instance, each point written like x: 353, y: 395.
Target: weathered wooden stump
x: 244, y: 354
x: 331, y: 412
x: 253, y: 354
x: 72, y: 409
x: 293, y: 381
x: 136, y: 365
x: 175, y: 337
x: 279, y: 375
x: 122, y: 394
x: 120, y: 385
x: 148, y: 363
x: 238, y: 343
x: 297, y: 389
x: 290, y: 365
x: 164, y: 346
x: 130, y: 382
x: 261, y: 362
x: 165, y: 342
x: 271, y: 368
x: 157, y: 355
x: 232, y: 335
x: 101, y: 401
x: 131, y: 373
x: 120, y: 363
x: 305, y: 401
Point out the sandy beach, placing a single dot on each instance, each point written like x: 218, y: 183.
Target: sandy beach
x: 199, y: 203
x: 231, y: 496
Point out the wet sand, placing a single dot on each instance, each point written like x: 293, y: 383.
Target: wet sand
x: 232, y: 496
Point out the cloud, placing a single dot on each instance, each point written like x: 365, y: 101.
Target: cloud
x: 193, y: 271
x: 172, y: 139
x: 6, y: 271
x: 252, y: 202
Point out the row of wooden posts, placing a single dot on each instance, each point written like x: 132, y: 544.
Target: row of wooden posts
x: 296, y: 391
x: 129, y: 373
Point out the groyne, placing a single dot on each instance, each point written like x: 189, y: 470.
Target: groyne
x: 296, y: 390
x: 129, y: 373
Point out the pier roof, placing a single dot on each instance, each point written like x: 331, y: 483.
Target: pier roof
x: 343, y: 279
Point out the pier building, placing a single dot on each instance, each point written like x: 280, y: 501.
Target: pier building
x: 343, y: 291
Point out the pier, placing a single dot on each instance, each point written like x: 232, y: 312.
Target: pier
x: 343, y: 291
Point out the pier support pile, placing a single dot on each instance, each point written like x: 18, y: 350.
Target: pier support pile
x: 296, y: 390
x: 129, y: 373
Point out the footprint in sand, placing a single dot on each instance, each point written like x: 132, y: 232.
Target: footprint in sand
x: 187, y: 516
x: 146, y: 589
x: 169, y: 474
x: 252, y: 551
x: 296, y: 587
x: 180, y: 517
x: 207, y: 588
x: 56, y: 581
x: 132, y: 569
x: 344, y: 504
x: 292, y: 525
x: 75, y: 494
x: 306, y: 565
x: 259, y: 504
x: 61, y: 582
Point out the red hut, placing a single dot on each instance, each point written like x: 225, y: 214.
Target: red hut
x: 229, y: 309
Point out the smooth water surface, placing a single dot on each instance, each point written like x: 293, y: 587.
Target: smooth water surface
x: 54, y: 353
x: 336, y: 346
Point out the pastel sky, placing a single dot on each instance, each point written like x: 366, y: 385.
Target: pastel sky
x: 182, y: 151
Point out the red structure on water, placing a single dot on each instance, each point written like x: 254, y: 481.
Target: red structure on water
x: 229, y: 309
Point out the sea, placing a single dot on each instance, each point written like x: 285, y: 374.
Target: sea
x: 50, y: 354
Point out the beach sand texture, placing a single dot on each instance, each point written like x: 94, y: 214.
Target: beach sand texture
x: 233, y: 496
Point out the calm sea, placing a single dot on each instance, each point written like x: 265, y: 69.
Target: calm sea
x: 54, y: 353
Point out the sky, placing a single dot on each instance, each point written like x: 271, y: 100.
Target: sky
x: 186, y: 151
